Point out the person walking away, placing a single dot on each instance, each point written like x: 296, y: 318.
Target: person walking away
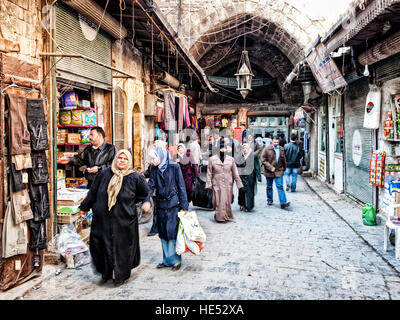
x: 260, y: 147
x: 293, y: 155
x: 114, y: 233
x: 249, y: 171
x: 96, y: 157
x: 274, y: 162
x: 189, y: 169
x: 221, y: 172
x: 166, y: 180
x: 282, y: 140
x: 195, y: 149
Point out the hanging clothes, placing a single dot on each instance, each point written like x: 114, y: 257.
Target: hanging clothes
x: 15, y: 236
x: 21, y: 206
x: 40, y: 204
x: 181, y: 113
x: 187, y: 116
x: 39, y: 173
x: 169, y: 110
x: 38, y: 237
x: 20, y: 142
x: 37, y: 124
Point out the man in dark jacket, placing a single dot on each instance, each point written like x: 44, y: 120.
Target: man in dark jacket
x: 96, y: 157
x: 274, y: 161
x: 293, y: 155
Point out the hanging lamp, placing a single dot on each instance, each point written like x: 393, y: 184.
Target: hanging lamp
x: 244, y: 75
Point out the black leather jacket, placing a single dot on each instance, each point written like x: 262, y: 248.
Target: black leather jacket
x: 293, y: 155
x: 101, y: 157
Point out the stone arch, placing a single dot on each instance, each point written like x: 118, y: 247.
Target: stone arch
x: 286, y: 27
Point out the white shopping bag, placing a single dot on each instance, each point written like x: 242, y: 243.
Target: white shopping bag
x: 191, y: 226
x: 184, y: 244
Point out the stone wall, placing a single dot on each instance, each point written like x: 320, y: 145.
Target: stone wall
x: 20, y: 24
x: 138, y: 128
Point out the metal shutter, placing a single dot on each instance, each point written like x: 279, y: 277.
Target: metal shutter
x: 70, y: 39
x: 357, y: 177
x: 388, y: 68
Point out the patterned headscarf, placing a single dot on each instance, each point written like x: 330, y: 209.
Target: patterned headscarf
x: 115, y: 184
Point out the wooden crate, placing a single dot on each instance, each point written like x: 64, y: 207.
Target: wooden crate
x: 67, y: 218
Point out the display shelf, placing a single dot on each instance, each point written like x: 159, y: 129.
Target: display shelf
x: 392, y: 140
x: 73, y: 144
x: 75, y: 126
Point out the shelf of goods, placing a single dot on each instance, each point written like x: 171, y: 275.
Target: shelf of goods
x: 75, y: 119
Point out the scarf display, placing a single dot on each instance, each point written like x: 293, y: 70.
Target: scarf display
x: 115, y: 184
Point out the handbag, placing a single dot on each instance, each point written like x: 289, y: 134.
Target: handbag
x: 201, y: 197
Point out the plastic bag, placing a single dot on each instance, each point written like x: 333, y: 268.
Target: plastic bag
x: 369, y: 215
x: 201, y: 196
x: 191, y: 226
x: 184, y: 244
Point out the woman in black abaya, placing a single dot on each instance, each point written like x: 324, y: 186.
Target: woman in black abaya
x: 114, y: 234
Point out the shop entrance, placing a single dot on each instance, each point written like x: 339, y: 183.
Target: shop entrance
x: 273, y: 125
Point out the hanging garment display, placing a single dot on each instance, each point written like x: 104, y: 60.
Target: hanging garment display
x: 181, y: 113
x: 187, y: 116
x: 21, y: 206
x: 169, y: 110
x: 372, y: 108
x: 377, y: 169
x: 39, y: 195
x: 39, y: 173
x: 15, y: 236
x: 20, y: 142
x: 159, y: 113
x: 37, y: 124
x: 22, y: 161
x: 202, y: 123
x: 17, y: 176
x: 38, y: 235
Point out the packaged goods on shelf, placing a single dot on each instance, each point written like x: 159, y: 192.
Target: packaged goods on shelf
x: 89, y: 117
x: 71, y: 196
x: 65, y: 117
x: 76, y: 183
x: 84, y: 104
x: 74, y: 138
x: 85, y: 136
x: 70, y: 100
x: 76, y: 116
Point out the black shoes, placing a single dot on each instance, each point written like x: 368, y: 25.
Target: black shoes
x: 269, y: 203
x: 174, y: 267
x: 288, y: 187
x: 283, y: 206
x: 150, y: 234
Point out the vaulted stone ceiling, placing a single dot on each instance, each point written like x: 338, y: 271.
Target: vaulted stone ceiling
x: 278, y: 32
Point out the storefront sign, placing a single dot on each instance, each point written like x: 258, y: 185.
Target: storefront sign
x: 357, y: 148
x: 325, y: 71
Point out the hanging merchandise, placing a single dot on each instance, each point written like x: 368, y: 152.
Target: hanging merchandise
x: 373, y: 108
x: 388, y: 131
x: 20, y: 142
x: 377, y: 169
x: 37, y: 124
x: 159, y: 112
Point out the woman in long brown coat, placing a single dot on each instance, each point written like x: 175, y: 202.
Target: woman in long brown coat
x: 221, y: 171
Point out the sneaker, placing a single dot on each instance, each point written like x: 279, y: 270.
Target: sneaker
x: 177, y: 266
x: 292, y: 190
x: 288, y: 187
x: 269, y: 203
x: 287, y: 204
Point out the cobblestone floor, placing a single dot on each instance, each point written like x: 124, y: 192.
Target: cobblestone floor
x: 306, y: 252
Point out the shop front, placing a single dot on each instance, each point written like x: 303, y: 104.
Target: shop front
x: 83, y: 101
x: 336, y: 142
x: 359, y: 143
x: 322, y: 143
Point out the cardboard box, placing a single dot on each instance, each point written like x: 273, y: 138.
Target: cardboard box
x: 74, y: 138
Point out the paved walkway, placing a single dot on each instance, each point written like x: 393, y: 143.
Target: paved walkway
x: 307, y: 252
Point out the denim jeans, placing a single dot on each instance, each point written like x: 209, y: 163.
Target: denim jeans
x: 293, y: 172
x: 279, y: 187
x: 170, y: 257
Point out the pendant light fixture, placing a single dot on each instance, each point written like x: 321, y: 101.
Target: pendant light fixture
x: 244, y: 75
